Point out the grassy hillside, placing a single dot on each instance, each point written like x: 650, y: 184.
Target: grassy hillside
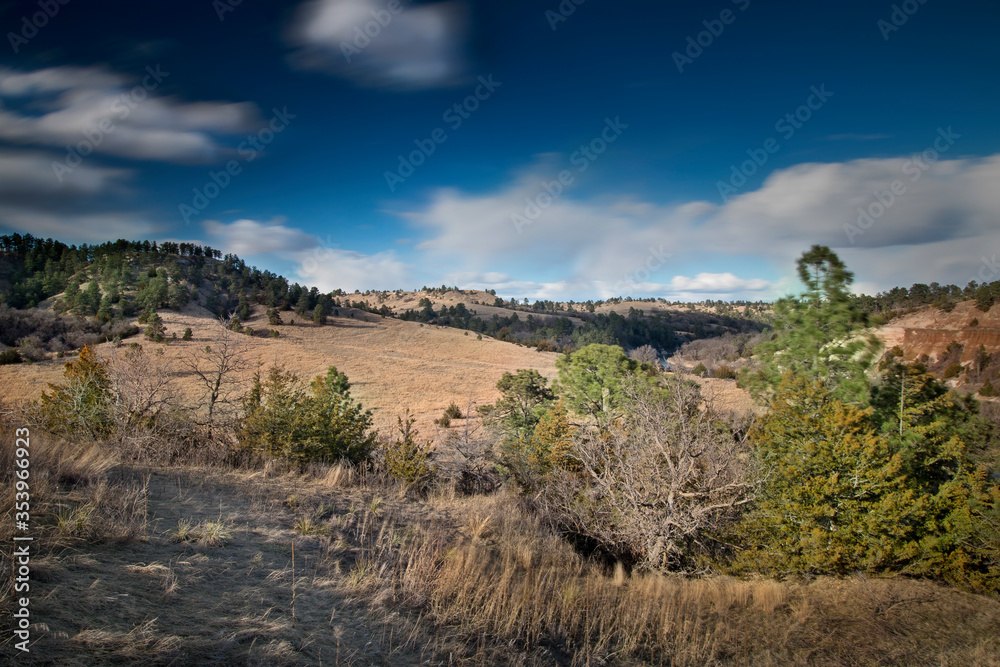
x: 392, y: 365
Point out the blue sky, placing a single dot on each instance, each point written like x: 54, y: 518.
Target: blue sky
x: 574, y: 149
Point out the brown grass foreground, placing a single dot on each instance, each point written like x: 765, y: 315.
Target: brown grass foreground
x: 265, y: 567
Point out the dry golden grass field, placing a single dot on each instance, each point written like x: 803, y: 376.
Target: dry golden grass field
x: 392, y: 365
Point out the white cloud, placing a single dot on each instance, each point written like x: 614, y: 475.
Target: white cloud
x: 249, y: 237
x: 104, y: 112
x: 317, y: 264
x: 940, y: 225
x: 332, y: 268
x: 719, y: 283
x: 420, y: 46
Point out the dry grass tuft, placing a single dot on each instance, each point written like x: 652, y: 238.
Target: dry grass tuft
x: 141, y: 643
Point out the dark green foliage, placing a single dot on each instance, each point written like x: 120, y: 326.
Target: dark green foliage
x: 154, y: 328
x: 90, y: 299
x: 453, y: 411
x: 177, y: 296
x: 188, y: 334
x: 321, y: 310
x: 524, y: 396
x: 104, y: 312
x: 591, y: 380
x: 406, y: 459
x: 816, y: 334
x: 987, y: 389
x: 986, y: 296
x: 282, y: 419
x: 952, y: 371
x: 243, y: 309
x: 847, y: 492
x: 273, y: 317
x: 699, y: 370
x: 10, y: 356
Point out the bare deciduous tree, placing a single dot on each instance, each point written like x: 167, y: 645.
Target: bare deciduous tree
x: 221, y: 368
x: 140, y: 398
x: 655, y: 486
x: 645, y: 354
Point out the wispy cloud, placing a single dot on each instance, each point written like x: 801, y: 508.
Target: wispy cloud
x: 378, y: 44
x: 75, y: 209
x: 114, y: 114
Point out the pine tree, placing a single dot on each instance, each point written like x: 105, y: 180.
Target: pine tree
x: 553, y: 439
x: 591, y: 380
x: 817, y: 335
x: 846, y: 492
x: 81, y: 405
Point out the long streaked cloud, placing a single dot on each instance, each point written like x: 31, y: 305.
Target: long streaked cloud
x: 392, y: 44
x: 75, y: 209
x: 72, y: 227
x: 941, y: 222
x: 27, y: 175
x: 110, y: 113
